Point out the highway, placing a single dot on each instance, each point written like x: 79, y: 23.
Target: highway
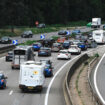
x: 99, y: 77
x: 37, y: 36
x: 12, y: 95
x: 52, y: 93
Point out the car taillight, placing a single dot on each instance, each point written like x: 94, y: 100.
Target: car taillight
x: 2, y: 80
x: 66, y: 54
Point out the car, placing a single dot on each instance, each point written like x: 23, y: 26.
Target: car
x: 66, y: 44
x: 82, y: 45
x: 3, y: 81
x: 56, y: 47
x: 36, y: 46
x: 42, y: 25
x: 64, y: 54
x: 48, y: 42
x: 103, y: 27
x: 61, y: 40
x: 62, y: 32
x: 9, y: 56
x: 74, y: 49
x: 48, y: 71
x: 76, y: 31
x: 27, y: 34
x: 5, y: 40
x: 44, y: 51
x: 75, y: 42
x: 46, y: 61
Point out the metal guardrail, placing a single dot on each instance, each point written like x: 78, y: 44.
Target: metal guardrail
x: 94, y: 95
x: 70, y: 74
x: 6, y: 48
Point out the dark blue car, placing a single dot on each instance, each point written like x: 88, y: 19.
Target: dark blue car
x: 82, y: 45
x: 48, y: 71
x: 36, y: 46
x: 2, y: 81
x: 66, y: 44
x: 76, y: 32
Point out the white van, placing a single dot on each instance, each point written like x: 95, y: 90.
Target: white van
x: 31, y: 76
x: 99, y: 36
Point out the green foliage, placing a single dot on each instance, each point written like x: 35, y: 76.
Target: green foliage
x: 49, y: 12
x: 96, y: 55
x: 29, y: 42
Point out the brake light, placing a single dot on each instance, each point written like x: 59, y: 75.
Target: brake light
x: 66, y: 54
x: 2, y: 80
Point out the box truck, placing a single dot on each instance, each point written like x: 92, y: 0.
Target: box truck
x: 99, y: 36
x: 31, y: 76
x: 96, y: 22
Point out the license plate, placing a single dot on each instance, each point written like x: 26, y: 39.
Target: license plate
x: 30, y: 87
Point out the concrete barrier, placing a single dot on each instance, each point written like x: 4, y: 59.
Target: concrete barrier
x: 6, y: 48
x: 68, y: 78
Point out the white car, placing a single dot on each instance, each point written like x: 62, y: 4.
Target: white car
x: 74, y: 49
x: 75, y: 42
x: 64, y: 54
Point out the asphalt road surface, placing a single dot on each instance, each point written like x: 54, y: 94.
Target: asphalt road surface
x: 99, y: 79
x: 12, y: 95
x: 37, y: 36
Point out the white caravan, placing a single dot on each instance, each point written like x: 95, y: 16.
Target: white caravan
x: 96, y: 22
x: 99, y: 36
x: 22, y: 54
x: 31, y: 76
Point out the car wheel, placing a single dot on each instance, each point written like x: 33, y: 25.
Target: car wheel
x: 12, y: 67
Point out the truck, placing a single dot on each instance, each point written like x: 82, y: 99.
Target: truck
x: 31, y: 76
x: 96, y: 22
x: 99, y: 36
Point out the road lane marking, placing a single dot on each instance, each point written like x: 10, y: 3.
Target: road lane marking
x: 95, y: 82
x: 11, y: 92
x: 52, y: 80
x: 49, y: 86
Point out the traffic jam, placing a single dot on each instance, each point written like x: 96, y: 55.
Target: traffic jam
x: 32, y: 73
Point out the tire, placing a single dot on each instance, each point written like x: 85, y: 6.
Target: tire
x: 12, y: 67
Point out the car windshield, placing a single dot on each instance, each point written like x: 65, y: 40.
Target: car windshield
x: 64, y: 52
x: 1, y: 76
x: 56, y: 44
x: 73, y: 47
x: 4, y: 38
x: 10, y: 53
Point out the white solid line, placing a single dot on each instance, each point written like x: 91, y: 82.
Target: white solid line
x: 49, y: 86
x: 95, y: 83
x: 10, y: 93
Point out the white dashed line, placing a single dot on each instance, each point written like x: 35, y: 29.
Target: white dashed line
x: 11, y: 92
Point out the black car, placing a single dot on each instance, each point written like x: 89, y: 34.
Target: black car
x: 48, y: 42
x: 27, y: 34
x: 41, y: 25
x: 5, y: 40
x: 44, y: 51
x: 62, y: 32
x: 2, y: 81
x: 9, y: 56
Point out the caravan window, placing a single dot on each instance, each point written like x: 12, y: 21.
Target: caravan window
x: 19, y: 52
x: 98, y: 34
